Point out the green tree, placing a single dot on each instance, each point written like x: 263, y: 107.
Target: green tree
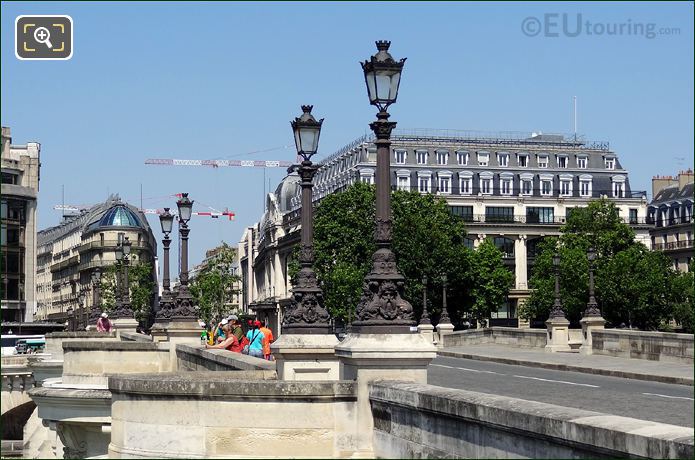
x: 684, y: 298
x: 141, y: 287
x: 427, y: 240
x: 632, y: 284
x: 491, y: 281
x: 214, y: 287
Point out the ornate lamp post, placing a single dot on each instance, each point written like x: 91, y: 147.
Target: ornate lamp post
x: 71, y: 319
x: 591, y: 307
x: 306, y: 314
x: 444, y: 319
x: 184, y: 300
x: 119, y: 283
x: 556, y: 311
x: 95, y: 312
x: 81, y: 315
x: 166, y: 304
x: 425, y: 318
x: 125, y: 303
x: 382, y: 308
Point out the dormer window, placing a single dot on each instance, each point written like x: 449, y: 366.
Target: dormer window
x: 503, y: 159
x: 401, y: 156
x: 543, y: 161
x: 462, y: 158
x: 582, y: 162
x: 561, y: 161
x: 421, y: 157
x: 523, y: 160
x: 610, y: 163
x: 442, y: 157
x: 483, y: 158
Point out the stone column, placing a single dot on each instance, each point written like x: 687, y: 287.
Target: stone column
x: 520, y: 261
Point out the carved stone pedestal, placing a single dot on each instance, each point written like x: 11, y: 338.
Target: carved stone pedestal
x: 442, y: 330
x: 427, y: 331
x: 558, y: 334
x: 124, y: 325
x: 306, y: 357
x: 369, y: 357
x: 589, y: 323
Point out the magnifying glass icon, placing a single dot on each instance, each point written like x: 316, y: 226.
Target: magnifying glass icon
x: 42, y: 35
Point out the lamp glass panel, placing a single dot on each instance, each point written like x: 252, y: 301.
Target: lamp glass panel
x: 309, y: 137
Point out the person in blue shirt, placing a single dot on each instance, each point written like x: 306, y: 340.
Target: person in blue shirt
x: 255, y: 337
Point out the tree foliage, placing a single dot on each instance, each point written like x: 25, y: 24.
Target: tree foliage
x: 427, y: 240
x: 141, y: 287
x: 633, y: 285
x: 490, y: 282
x: 214, y: 287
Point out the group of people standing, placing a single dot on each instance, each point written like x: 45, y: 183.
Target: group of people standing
x: 229, y: 335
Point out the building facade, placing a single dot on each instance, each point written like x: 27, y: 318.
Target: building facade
x: 512, y: 188
x: 20, y: 187
x: 70, y: 252
x: 671, y: 212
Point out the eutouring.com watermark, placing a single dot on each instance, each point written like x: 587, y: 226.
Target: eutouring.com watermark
x: 553, y: 25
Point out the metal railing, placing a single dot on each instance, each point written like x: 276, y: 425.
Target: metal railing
x: 516, y: 192
x: 672, y: 245
x: 110, y: 244
x: 668, y: 222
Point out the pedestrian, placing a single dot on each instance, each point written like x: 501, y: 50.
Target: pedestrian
x: 267, y: 340
x: 230, y: 343
x: 255, y: 337
x: 104, y: 324
x: 219, y: 332
x: 237, y: 330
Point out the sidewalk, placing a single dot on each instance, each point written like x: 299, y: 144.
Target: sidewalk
x: 640, y: 369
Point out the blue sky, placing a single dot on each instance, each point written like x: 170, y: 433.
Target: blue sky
x: 218, y: 80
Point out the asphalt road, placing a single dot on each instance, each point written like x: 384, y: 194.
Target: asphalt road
x: 659, y: 402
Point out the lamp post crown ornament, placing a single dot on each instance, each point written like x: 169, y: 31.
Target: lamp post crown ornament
x: 306, y: 313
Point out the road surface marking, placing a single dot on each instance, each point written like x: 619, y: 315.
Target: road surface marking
x: 667, y: 396
x: 558, y: 381
x: 467, y: 369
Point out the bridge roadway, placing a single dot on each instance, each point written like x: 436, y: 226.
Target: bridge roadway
x: 659, y: 402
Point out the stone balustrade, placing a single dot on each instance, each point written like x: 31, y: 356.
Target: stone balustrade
x: 528, y: 338
x: 423, y: 421
x: 655, y: 346
x: 185, y: 415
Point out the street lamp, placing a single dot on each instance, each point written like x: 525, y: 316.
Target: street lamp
x: 425, y: 318
x: 444, y: 319
x: 306, y: 313
x: 95, y: 312
x: 166, y: 220
x: 556, y: 311
x: 119, y: 280
x: 382, y: 308
x: 127, y: 312
x: 80, y: 302
x: 70, y: 321
x: 184, y: 301
x: 592, y: 308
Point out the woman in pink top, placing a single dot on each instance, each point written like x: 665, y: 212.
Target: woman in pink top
x: 103, y: 323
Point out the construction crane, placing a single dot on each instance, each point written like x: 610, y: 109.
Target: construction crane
x: 220, y: 163
x: 212, y: 214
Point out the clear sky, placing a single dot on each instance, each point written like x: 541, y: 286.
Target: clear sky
x: 219, y: 80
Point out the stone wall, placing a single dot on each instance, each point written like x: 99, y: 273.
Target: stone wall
x: 90, y: 362
x: 655, y: 346
x: 54, y: 340
x: 424, y: 421
x: 216, y: 415
x: 528, y: 338
x: 193, y: 358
